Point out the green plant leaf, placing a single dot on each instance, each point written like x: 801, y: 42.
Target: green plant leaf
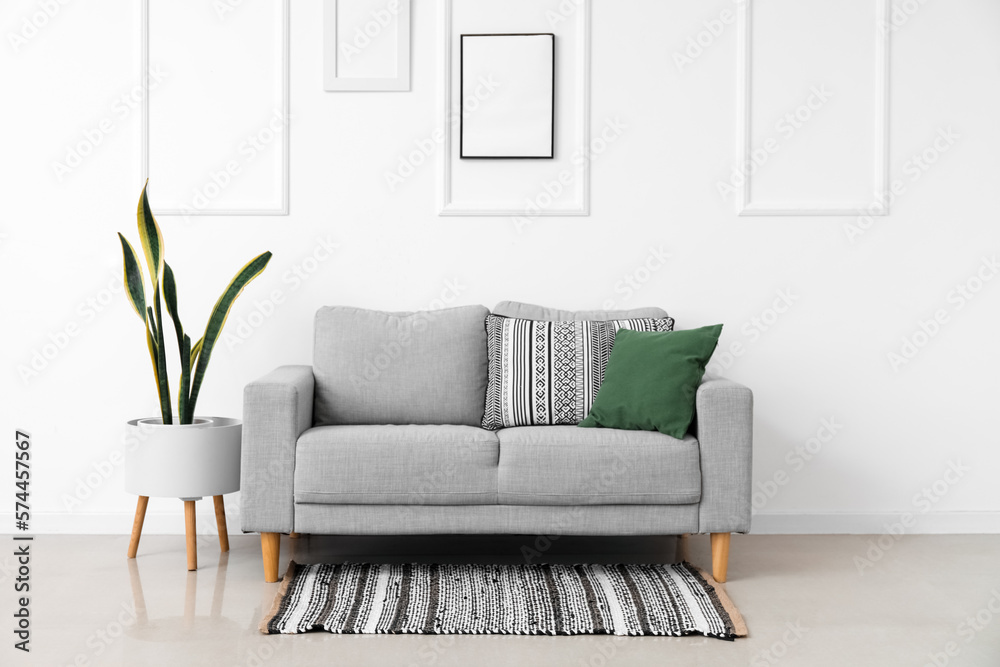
x: 152, y: 323
x: 135, y: 288
x: 185, y: 388
x: 218, y: 319
x: 151, y: 237
x: 170, y: 299
x: 154, y: 351
x: 196, y: 350
x: 161, y: 363
x: 183, y: 342
x: 151, y: 344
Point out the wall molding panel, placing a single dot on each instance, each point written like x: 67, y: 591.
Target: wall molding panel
x: 878, y: 205
x: 399, y: 81
x: 450, y: 202
x: 281, y: 105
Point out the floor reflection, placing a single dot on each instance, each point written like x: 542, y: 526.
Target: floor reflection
x: 154, y: 623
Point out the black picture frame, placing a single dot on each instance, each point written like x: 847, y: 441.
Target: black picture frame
x: 461, y: 97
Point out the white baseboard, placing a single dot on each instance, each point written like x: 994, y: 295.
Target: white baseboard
x: 874, y: 523
x: 765, y: 523
x: 120, y: 523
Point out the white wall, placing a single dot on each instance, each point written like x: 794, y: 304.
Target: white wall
x: 655, y: 188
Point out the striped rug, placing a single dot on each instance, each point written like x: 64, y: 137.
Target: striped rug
x: 365, y: 598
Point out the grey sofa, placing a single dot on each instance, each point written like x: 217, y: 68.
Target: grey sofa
x: 382, y: 435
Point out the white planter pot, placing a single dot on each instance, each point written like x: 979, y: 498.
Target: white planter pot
x: 189, y: 461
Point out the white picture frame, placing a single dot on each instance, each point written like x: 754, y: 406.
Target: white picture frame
x: 878, y: 205
x: 518, y: 122
x: 366, y: 45
x: 274, y: 117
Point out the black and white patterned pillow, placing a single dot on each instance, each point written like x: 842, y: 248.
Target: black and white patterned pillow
x: 549, y: 372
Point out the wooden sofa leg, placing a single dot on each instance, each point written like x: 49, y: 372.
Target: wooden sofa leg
x: 270, y: 547
x: 720, y: 556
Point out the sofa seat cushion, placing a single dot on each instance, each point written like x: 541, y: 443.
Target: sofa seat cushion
x: 396, y: 465
x: 567, y: 465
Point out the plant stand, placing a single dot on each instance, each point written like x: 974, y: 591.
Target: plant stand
x: 190, y: 530
x: 189, y: 462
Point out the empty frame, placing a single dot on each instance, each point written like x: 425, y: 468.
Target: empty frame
x: 813, y: 108
x: 215, y: 124
x: 366, y: 45
x: 516, y: 120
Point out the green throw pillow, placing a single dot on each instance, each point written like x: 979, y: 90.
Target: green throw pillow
x: 651, y: 380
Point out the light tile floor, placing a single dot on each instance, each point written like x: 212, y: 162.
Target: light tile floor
x: 804, y: 599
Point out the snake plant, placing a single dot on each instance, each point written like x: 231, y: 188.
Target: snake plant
x: 194, y: 357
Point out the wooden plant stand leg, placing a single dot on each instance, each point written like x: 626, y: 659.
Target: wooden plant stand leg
x: 720, y: 556
x: 220, y: 521
x: 140, y: 516
x: 192, y: 535
x: 270, y: 547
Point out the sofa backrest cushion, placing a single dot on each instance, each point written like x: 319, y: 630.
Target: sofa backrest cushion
x: 527, y: 311
x: 543, y: 372
x: 375, y: 367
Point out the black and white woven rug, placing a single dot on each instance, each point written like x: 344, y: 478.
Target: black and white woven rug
x: 365, y: 598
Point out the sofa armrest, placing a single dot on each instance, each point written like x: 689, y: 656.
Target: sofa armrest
x: 277, y: 408
x: 724, y: 426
